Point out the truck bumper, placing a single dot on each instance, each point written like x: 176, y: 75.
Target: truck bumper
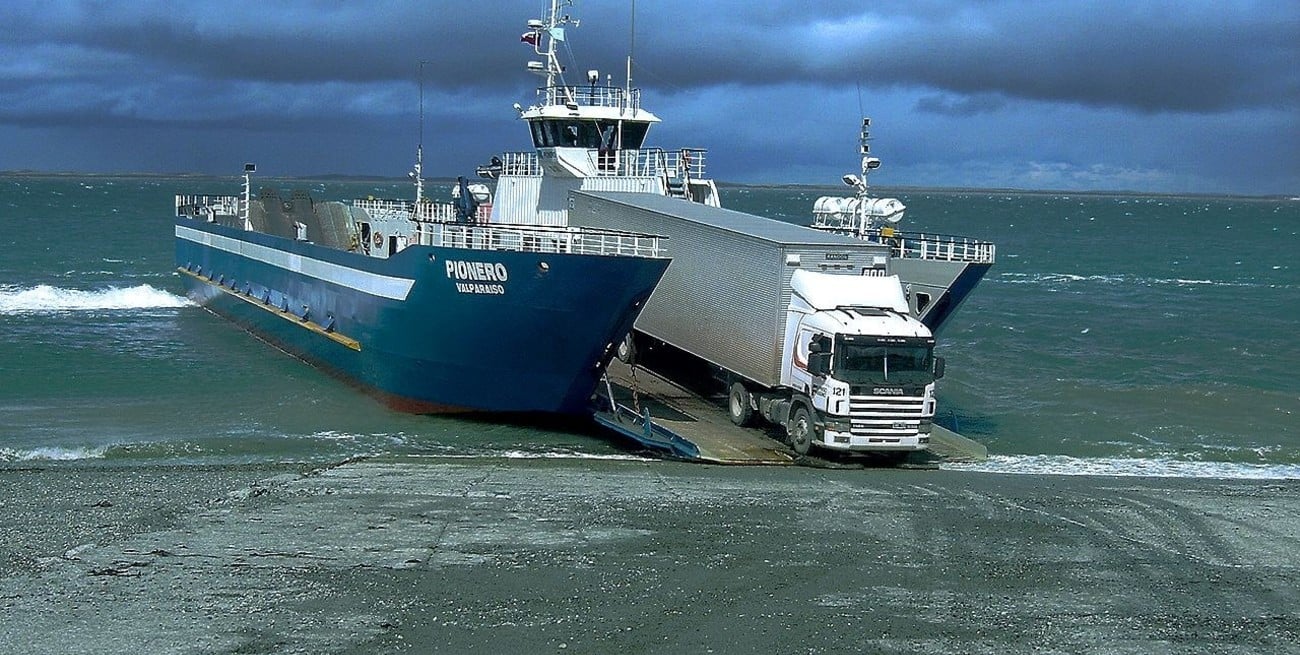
x: 846, y: 441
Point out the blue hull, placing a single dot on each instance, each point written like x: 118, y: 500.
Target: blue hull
x: 429, y: 329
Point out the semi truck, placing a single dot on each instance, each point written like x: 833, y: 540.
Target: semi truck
x: 807, y: 330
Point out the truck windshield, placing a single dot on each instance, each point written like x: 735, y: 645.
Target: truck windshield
x: 884, y: 364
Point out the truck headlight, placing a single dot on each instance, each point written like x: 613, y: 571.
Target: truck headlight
x: 839, y: 425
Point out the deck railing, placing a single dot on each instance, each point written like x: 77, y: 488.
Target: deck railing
x: 919, y: 245
x: 219, y: 205
x: 521, y: 163
x: 443, y: 212
x: 942, y: 247
x: 646, y: 162
x: 385, y: 207
x: 536, y: 238
x: 591, y: 96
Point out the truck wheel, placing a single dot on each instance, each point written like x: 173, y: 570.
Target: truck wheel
x: 740, y: 405
x: 799, y: 430
x: 626, y: 351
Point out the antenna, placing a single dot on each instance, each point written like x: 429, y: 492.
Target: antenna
x: 861, y: 112
x: 421, y: 142
x: 631, y: 48
x: 418, y: 173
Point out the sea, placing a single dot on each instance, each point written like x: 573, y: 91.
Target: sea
x: 1123, y: 335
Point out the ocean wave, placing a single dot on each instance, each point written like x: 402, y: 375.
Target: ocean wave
x: 1127, y: 467
x: 529, y: 454
x: 51, y: 454
x: 1067, y: 278
x: 45, y: 298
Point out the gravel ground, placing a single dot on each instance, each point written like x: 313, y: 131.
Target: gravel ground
x: 582, y: 556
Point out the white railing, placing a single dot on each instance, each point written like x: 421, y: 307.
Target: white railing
x: 521, y: 163
x: 648, y: 162
x: 534, y: 238
x: 218, y: 205
x: 385, y: 207
x: 917, y: 245
x: 591, y: 96
x: 439, y: 212
x: 687, y: 160
x: 910, y: 245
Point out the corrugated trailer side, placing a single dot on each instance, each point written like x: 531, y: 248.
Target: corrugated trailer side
x: 725, y: 294
x: 698, y: 307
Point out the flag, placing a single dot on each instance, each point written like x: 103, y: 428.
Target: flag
x: 556, y: 33
x: 530, y: 38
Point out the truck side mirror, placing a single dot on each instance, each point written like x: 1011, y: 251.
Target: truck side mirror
x: 819, y: 364
x: 938, y: 367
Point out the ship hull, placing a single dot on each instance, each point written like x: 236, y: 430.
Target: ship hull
x: 429, y: 329
x: 945, y: 284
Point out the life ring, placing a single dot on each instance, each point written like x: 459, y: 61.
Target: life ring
x: 379, y: 240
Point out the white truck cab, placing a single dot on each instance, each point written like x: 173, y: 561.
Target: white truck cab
x: 862, y: 365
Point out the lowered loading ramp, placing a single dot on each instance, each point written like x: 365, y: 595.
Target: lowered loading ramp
x: 663, y: 416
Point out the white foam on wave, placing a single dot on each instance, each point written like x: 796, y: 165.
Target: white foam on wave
x: 550, y: 454
x: 1069, y: 278
x: 45, y: 298
x: 51, y: 454
x: 1127, y: 467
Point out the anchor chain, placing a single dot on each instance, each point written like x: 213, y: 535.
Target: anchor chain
x: 636, y: 390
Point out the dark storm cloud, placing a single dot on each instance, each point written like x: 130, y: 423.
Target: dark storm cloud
x: 729, y: 69
x: 290, y: 42
x: 1182, y: 56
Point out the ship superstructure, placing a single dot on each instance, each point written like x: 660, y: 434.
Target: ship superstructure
x: 938, y: 270
x: 590, y: 135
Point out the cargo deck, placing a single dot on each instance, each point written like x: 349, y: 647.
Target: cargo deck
x: 663, y: 416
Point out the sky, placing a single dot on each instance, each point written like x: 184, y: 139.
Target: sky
x: 1172, y: 97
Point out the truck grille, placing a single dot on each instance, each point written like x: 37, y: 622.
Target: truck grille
x: 886, y: 418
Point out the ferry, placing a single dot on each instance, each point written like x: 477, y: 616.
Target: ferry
x: 424, y: 304
x: 590, y: 134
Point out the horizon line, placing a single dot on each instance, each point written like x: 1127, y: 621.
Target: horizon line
x: 342, y: 177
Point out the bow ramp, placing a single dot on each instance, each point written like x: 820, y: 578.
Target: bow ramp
x: 665, y: 417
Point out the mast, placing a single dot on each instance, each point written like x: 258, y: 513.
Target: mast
x: 542, y: 35
x: 249, y: 169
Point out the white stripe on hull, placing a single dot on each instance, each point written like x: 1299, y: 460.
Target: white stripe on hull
x: 395, y: 288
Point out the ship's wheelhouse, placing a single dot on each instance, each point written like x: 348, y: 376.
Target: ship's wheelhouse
x: 592, y: 133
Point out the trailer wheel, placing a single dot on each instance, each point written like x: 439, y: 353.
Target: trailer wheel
x: 799, y: 430
x: 740, y: 406
x: 626, y: 351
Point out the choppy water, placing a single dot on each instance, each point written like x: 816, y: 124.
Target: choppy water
x: 1116, y: 334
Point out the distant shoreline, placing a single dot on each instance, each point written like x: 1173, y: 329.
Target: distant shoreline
x: 882, y: 189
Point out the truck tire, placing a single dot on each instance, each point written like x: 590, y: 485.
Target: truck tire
x: 626, y: 351
x: 800, y: 430
x: 740, y: 405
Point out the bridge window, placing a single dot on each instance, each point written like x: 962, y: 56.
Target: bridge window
x: 595, y: 135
